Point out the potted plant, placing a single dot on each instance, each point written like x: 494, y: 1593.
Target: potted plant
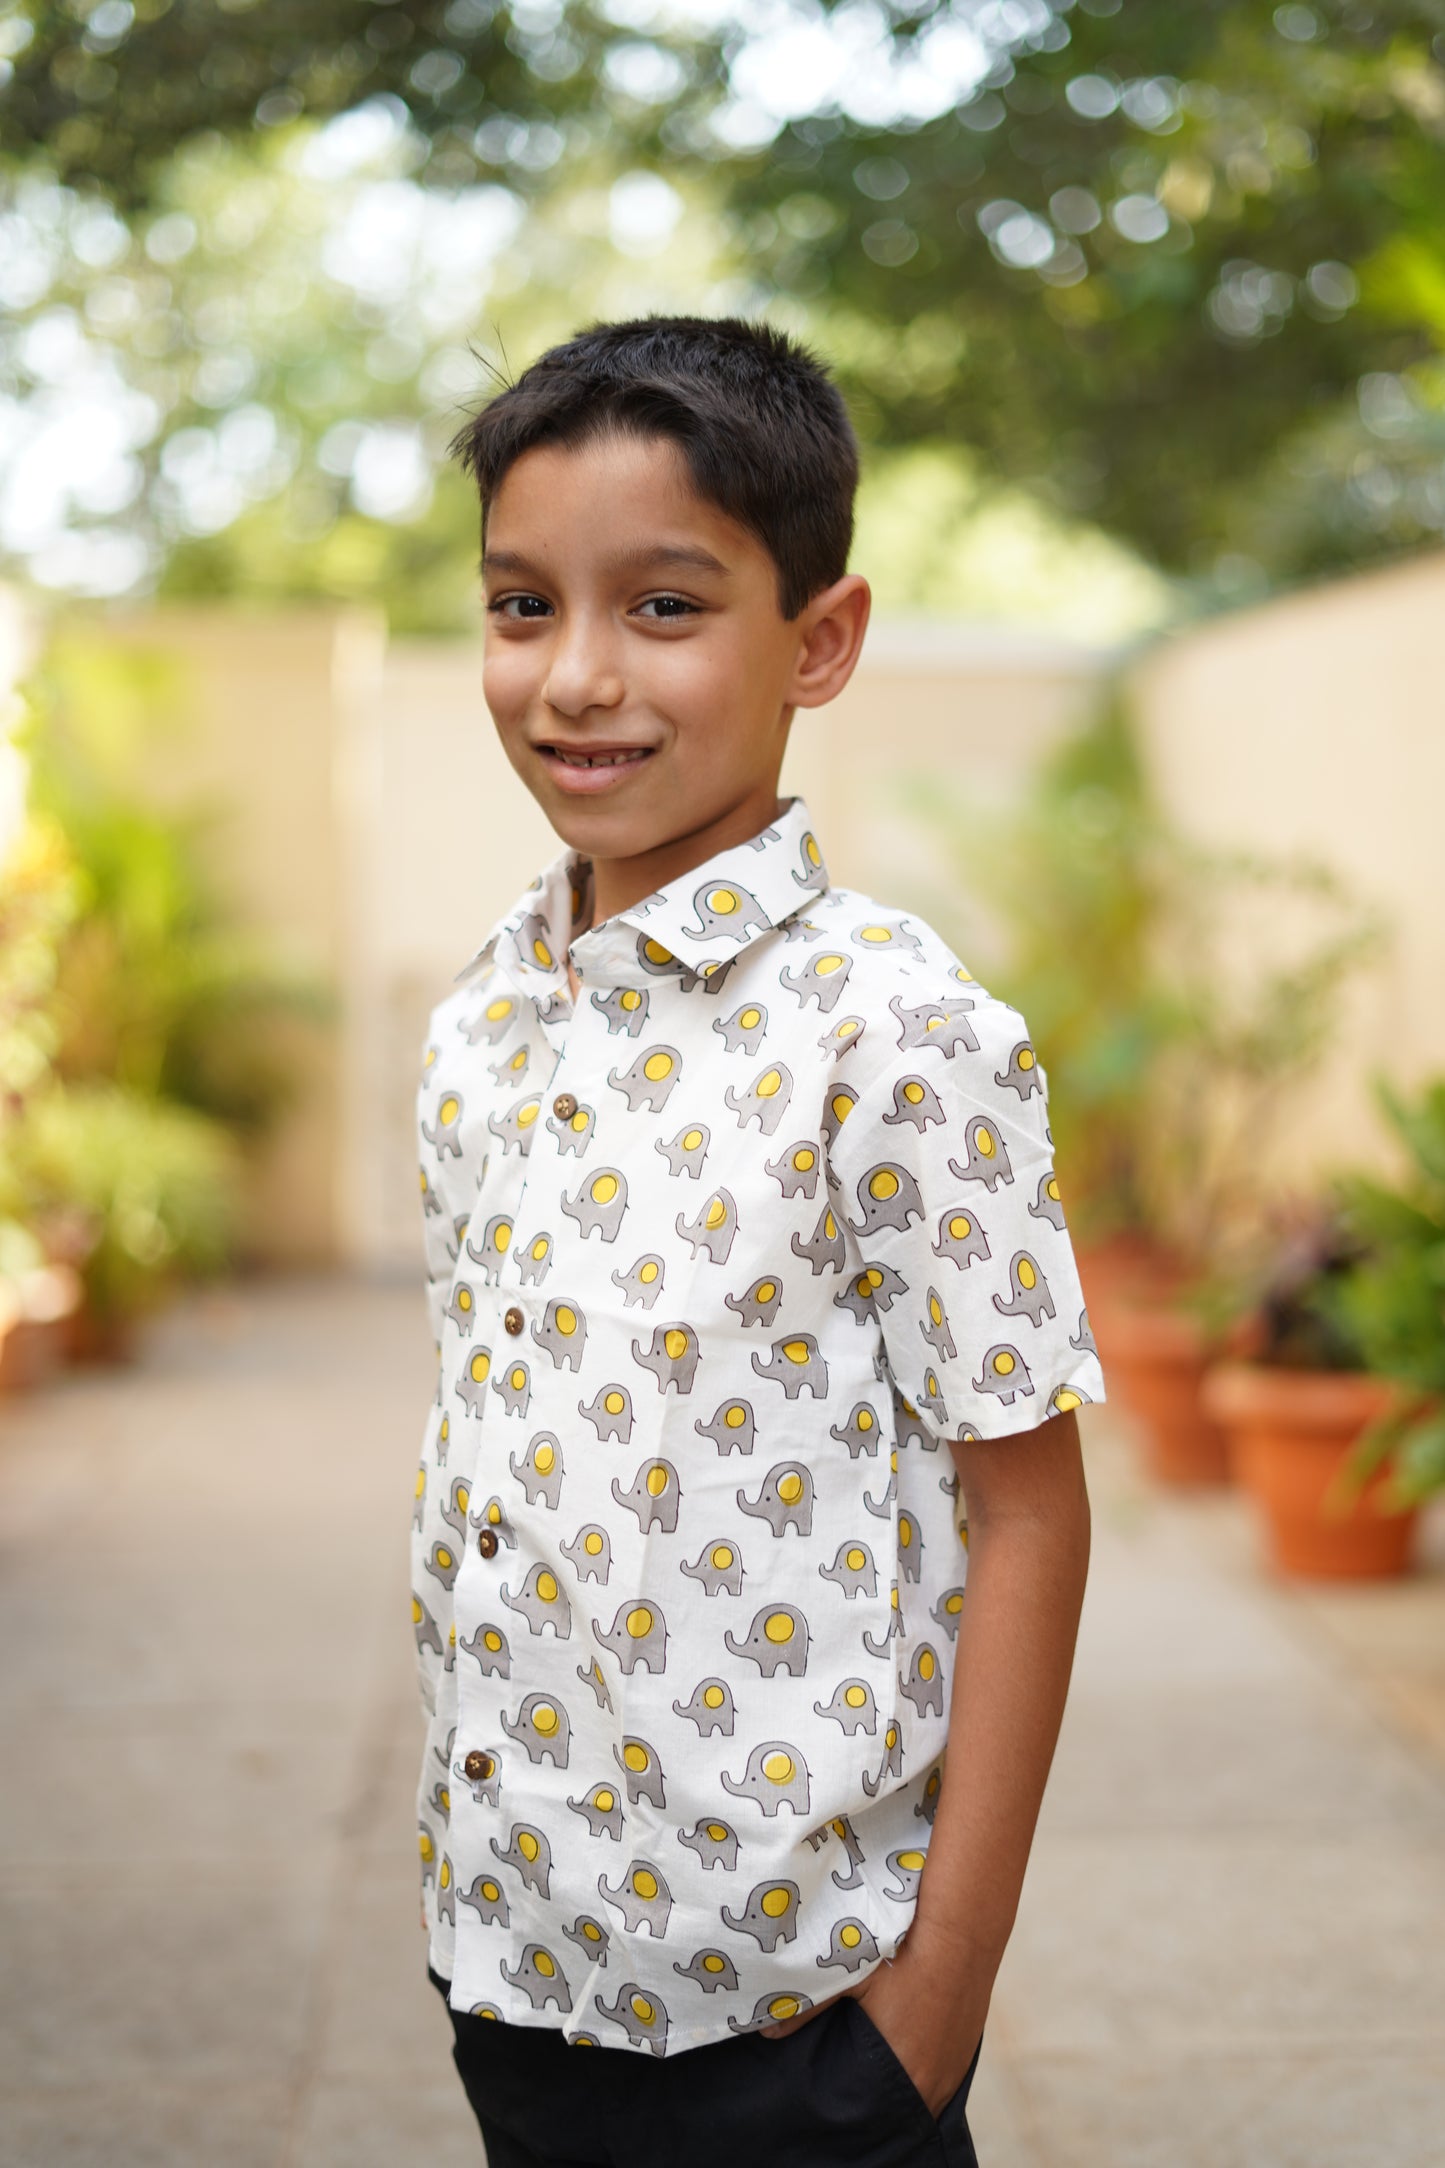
x: 1337, y: 1419
x: 1173, y: 1037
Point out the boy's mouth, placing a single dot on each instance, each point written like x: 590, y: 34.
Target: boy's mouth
x: 594, y: 768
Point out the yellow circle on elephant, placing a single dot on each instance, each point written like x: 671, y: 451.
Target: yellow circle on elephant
x: 657, y: 1066
x: 480, y: 1366
x: 491, y: 1892
x: 790, y: 1488
x: 719, y: 1832
x: 779, y: 1628
x: 1003, y: 1362
x: 775, y: 1903
x: 825, y: 966
x: 1065, y: 1400
x: 425, y: 1845
x: 874, y: 933
x: 905, y: 1531
x: 528, y: 1846
x: 657, y: 1480
x: 984, y: 1140
x: 464, y: 1298
x: 463, y: 1494
x: 444, y: 1556
x: 518, y: 1378
x: 724, y: 901
x: 796, y: 1350
x: 547, y: 1586
x: 805, y: 1159
x: 420, y: 1481
x: 635, y: 1756
x: 496, y: 1010
x: 492, y: 1640
x: 850, y: 1935
x: 545, y: 1719
x: 544, y: 1964
x: 1027, y: 1275
x: 842, y: 1104
x: 631, y: 999
x: 544, y: 1460
x: 890, y: 1737
x: 913, y: 1091
x: 872, y: 1278
x: 692, y: 1140
x: 580, y: 1119
x: 712, y: 1962
x: 722, y: 1556
x: 953, y: 1602
x: 765, y: 1290
x: 935, y: 1309
x: 830, y: 1225
x: 778, y: 1768
x: 717, y: 1212
x: 644, y: 1884
x: 604, y: 1800
x: 959, y: 1226
x: 648, y: 1272
x: 927, y: 1664
x: 735, y: 1416
x: 642, y: 2010
x: 675, y: 1341
x: 566, y: 1319
x: 913, y: 1861
x: 604, y: 1189
x: 656, y: 953
x: 527, y: 1113
x: 592, y: 1542
x: 865, y: 1418
x: 883, y: 1184
x: 1026, y: 1057
x: 856, y: 1697
x: 713, y: 1697
x: 591, y: 1930
x: 749, y: 1018
x: 769, y: 1083
x: 856, y: 1560
x: 783, y: 2006
x: 639, y: 1622
x: 614, y: 1402
x: 449, y: 1109
x: 539, y: 1247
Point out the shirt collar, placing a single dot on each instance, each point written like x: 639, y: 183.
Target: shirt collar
x: 691, y: 927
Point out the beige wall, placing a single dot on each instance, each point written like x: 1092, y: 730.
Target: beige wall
x: 376, y: 830
x: 1315, y: 725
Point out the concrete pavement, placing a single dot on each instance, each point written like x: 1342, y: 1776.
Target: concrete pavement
x: 1232, y: 1943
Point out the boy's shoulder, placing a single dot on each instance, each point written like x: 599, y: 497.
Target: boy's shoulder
x: 910, y: 991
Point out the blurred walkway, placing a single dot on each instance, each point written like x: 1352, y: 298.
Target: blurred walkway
x: 1230, y: 1949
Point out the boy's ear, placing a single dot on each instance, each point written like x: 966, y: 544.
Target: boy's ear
x: 830, y: 640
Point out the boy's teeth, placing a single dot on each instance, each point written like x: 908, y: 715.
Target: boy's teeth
x: 597, y: 760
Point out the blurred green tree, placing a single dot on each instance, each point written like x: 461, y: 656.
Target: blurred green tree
x: 1178, y: 271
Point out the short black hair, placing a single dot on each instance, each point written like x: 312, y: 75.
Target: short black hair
x: 758, y: 419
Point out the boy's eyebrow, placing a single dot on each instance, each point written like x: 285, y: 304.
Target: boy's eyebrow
x: 645, y: 558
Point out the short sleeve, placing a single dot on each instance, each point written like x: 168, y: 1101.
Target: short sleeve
x: 943, y: 1171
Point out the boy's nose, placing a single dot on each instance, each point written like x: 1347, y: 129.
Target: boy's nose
x: 582, y: 673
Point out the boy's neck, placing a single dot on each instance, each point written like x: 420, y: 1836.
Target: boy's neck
x: 618, y: 883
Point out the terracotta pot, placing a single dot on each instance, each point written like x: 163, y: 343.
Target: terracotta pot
x: 1289, y: 1432
x: 1154, y: 1360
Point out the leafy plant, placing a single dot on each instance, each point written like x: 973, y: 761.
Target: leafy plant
x: 137, y: 1189
x: 1178, y: 993
x: 1391, y: 1302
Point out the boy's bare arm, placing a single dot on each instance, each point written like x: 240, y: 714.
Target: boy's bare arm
x: 1028, y: 1556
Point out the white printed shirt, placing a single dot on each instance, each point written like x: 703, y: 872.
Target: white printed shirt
x: 719, y: 1256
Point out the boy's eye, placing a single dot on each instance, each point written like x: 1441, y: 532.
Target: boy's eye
x: 519, y: 606
x: 666, y: 607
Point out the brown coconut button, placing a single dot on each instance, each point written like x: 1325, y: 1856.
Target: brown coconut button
x: 487, y: 1543
x: 564, y: 1106
x: 478, y: 1766
x: 513, y: 1320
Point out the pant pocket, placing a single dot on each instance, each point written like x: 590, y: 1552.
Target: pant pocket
x: 950, y: 2125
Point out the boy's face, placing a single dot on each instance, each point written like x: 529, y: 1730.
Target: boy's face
x: 627, y: 617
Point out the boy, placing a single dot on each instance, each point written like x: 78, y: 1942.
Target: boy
x: 745, y: 1249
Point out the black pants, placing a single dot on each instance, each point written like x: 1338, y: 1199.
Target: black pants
x: 831, y: 2095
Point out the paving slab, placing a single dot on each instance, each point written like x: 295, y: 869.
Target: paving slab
x: 1229, y: 1944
